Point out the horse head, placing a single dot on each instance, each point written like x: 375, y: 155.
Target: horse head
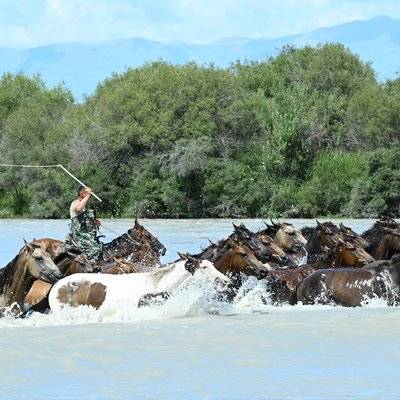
x: 348, y: 254
x: 252, y: 241
x: 348, y: 234
x: 277, y: 254
x: 194, y: 265
x: 39, y: 263
x: 328, y: 234
x: 289, y: 238
x: 240, y: 258
x: 141, y: 234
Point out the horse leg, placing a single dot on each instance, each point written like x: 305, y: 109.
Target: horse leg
x: 151, y: 299
x: 41, y: 307
x: 313, y: 290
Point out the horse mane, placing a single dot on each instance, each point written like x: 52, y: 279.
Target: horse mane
x: 5, y: 271
x: 313, y: 242
x: 125, y: 237
x: 373, y: 235
x: 159, y: 273
x: 331, y: 225
x: 307, y: 231
x: 269, y: 230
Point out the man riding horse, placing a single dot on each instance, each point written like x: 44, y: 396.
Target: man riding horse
x: 84, y: 225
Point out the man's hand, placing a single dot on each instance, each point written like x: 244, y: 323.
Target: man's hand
x: 97, y: 222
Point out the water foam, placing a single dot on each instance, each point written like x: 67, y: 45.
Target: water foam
x: 197, y: 298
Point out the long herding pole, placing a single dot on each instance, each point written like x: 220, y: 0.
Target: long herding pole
x: 51, y: 166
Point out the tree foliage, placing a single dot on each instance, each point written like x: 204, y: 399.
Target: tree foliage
x: 309, y: 132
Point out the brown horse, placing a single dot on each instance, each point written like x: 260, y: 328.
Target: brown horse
x: 239, y: 258
x: 137, y: 239
x: 347, y: 233
x: 278, y: 257
x: 137, y: 245
x: 345, y: 254
x: 289, y: 239
x: 118, y: 267
x: 261, y: 249
x: 352, y: 286
x: 383, y: 239
x: 324, y: 236
x: 282, y: 284
x: 17, y: 277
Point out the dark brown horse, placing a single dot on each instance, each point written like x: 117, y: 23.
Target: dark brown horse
x: 261, y: 249
x: 348, y: 234
x: 282, y: 284
x: 17, y: 277
x: 137, y: 239
x: 383, y: 239
x: 137, y: 245
x: 324, y: 236
x: 351, y: 286
x: 242, y: 252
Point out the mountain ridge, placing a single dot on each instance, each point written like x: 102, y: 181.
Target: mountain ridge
x: 82, y: 66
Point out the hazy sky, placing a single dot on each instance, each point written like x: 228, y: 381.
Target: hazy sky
x: 27, y: 23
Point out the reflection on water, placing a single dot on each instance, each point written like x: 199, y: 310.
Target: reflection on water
x: 193, y: 347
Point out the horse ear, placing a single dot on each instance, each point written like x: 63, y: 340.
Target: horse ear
x: 191, y: 264
x: 182, y: 256
x: 136, y: 222
x: 232, y: 242
x: 319, y: 224
x: 273, y: 223
x: 28, y: 245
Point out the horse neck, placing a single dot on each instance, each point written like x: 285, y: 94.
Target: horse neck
x: 121, y: 246
x: 223, y: 263
x: 169, y: 277
x: 333, y: 259
x: 381, y: 250
x: 229, y: 261
x: 314, y: 246
x: 278, y: 239
x: 15, y: 281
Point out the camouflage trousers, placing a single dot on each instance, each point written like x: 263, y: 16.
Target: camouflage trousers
x: 86, y: 241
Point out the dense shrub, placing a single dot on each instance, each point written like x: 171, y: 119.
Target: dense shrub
x: 309, y: 132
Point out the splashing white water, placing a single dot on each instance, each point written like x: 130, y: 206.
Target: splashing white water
x: 195, y: 299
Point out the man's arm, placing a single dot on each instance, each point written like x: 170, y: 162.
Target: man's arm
x: 81, y: 203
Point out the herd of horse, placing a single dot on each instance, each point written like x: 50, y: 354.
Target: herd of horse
x: 323, y: 264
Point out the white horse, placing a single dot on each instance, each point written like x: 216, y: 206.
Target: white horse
x: 104, y: 291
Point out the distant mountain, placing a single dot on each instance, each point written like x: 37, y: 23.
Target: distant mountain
x: 82, y: 66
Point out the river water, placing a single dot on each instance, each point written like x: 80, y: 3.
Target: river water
x: 193, y: 348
